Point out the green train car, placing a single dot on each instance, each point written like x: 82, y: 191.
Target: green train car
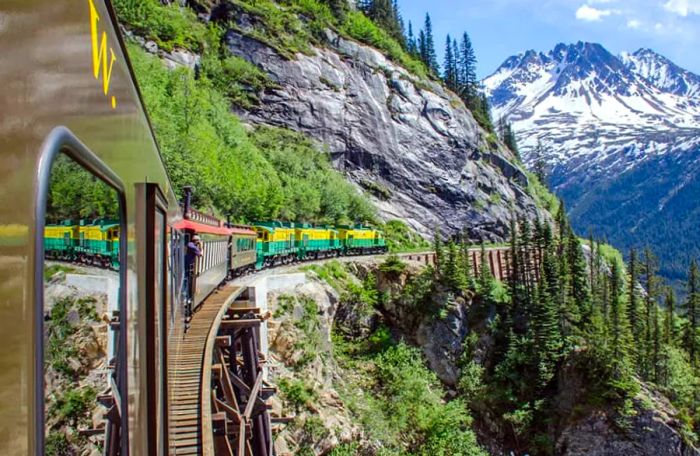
x: 359, y: 240
x: 316, y: 242
x: 275, y: 244
x: 94, y: 243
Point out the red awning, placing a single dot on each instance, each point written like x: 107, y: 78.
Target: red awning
x: 202, y: 228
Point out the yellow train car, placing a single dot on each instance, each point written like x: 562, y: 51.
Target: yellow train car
x: 359, y: 239
x: 316, y: 242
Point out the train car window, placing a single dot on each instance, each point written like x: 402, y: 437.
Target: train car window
x: 80, y: 407
x: 151, y: 208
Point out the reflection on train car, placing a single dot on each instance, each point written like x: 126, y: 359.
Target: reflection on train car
x: 81, y: 348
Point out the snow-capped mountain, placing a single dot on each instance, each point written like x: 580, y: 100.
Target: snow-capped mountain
x: 604, y: 121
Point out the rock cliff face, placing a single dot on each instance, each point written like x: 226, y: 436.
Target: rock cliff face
x: 409, y: 143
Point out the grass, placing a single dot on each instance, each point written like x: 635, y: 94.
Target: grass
x: 53, y: 269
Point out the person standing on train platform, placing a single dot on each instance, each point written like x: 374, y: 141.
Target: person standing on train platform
x: 192, y: 252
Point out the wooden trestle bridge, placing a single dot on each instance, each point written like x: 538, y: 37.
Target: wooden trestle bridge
x: 219, y: 403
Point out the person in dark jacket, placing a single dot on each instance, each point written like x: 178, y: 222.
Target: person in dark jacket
x: 192, y: 252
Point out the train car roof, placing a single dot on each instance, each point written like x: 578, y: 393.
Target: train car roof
x: 208, y: 229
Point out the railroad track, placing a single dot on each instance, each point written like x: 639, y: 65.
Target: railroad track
x: 187, y: 375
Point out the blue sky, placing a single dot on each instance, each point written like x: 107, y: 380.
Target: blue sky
x: 501, y: 28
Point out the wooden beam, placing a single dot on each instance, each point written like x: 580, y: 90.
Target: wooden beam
x: 240, y: 324
x: 253, y: 395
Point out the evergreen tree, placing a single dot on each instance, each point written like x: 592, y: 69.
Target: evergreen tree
x: 539, y: 163
x: 669, y: 321
x: 450, y: 71
x: 454, y: 275
x: 467, y: 71
x: 422, y: 48
x: 633, y: 306
x: 692, y: 306
x: 439, y: 254
x: 657, y: 355
x: 485, y: 282
x: 467, y: 266
x: 411, y: 45
x: 430, y: 57
x: 650, y: 283
x: 545, y: 326
x: 508, y: 137
x: 580, y: 289
x: 619, y: 326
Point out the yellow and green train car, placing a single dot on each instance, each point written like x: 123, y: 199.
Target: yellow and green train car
x: 360, y: 240
x: 98, y: 243
x: 275, y: 244
x: 60, y: 241
x: 316, y: 242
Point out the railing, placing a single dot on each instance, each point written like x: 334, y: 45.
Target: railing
x: 201, y: 217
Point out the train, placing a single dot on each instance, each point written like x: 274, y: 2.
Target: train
x: 67, y: 89
x: 227, y: 251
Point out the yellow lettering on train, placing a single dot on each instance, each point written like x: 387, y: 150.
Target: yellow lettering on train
x: 99, y: 53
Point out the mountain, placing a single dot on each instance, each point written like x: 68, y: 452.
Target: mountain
x: 621, y: 139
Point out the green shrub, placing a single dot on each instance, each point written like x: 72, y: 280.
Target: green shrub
x: 297, y: 392
x: 393, y: 265
x: 360, y: 27
x: 170, y: 26
x: 401, y: 238
x: 57, y: 444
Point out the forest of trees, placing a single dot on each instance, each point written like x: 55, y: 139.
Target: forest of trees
x: 575, y: 303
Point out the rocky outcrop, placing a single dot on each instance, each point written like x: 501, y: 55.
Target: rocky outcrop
x: 653, y: 431
x: 410, y: 137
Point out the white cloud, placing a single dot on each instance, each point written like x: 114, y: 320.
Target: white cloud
x: 590, y: 14
x: 634, y: 23
x: 683, y: 7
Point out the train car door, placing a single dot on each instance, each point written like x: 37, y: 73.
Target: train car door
x: 152, y: 217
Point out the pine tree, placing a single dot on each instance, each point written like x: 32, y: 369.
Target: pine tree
x: 485, y: 282
x: 467, y: 266
x: 539, y: 163
x: 467, y: 71
x: 384, y: 13
x: 411, y: 45
x: 657, y: 355
x: 450, y: 72
x: 430, y: 57
x: 650, y: 283
x: 510, y: 141
x: 619, y: 325
x: 580, y: 289
x: 633, y: 306
x: 422, y: 47
x: 692, y: 306
x: 545, y: 326
x: 669, y: 321
x: 454, y: 275
x: 439, y: 254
